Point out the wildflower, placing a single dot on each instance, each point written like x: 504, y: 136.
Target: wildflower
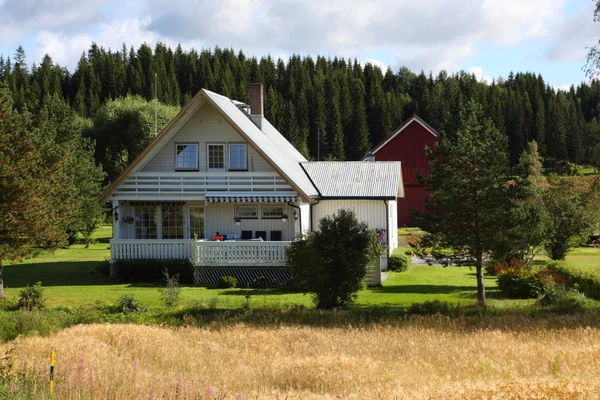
x: 209, y: 390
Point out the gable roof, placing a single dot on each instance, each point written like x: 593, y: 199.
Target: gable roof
x: 414, y: 118
x: 356, y: 179
x: 269, y: 143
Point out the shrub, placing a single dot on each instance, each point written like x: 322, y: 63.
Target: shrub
x: 332, y: 262
x: 103, y: 268
x: 495, y: 267
x: 227, y: 282
x: 128, y: 304
x: 399, y: 262
x: 171, y: 293
x: 520, y: 284
x: 431, y: 308
x: 152, y: 270
x: 262, y: 282
x: 584, y: 281
x: 32, y: 297
x: 564, y: 299
x: 413, y: 241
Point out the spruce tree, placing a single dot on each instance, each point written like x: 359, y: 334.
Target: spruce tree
x: 469, y: 198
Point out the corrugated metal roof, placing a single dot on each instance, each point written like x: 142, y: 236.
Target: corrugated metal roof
x: 280, y: 152
x: 356, y: 179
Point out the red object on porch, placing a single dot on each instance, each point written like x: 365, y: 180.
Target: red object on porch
x: 407, y: 144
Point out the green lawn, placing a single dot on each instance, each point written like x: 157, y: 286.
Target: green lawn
x: 68, y: 281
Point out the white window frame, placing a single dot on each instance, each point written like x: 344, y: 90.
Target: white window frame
x: 224, y: 147
x: 238, y: 216
x: 188, y: 220
x: 196, y: 168
x: 262, y: 211
x: 245, y: 167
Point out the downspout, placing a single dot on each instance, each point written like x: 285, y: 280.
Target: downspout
x: 299, y: 214
x: 387, y: 229
x: 311, y: 214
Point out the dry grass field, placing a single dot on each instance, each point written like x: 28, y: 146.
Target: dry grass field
x: 434, y: 357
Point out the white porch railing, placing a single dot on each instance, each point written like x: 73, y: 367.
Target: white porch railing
x: 165, y: 249
x: 246, y: 253
x: 177, y: 185
x: 209, y: 253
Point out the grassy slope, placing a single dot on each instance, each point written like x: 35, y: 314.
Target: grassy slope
x: 68, y: 282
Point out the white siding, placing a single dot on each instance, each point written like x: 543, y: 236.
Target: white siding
x: 219, y: 217
x: 205, y: 126
x: 370, y: 211
x: 373, y: 212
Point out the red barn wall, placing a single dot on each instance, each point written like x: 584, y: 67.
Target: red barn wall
x: 408, y: 147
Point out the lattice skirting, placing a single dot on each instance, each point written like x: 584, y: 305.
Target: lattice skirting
x: 209, y: 276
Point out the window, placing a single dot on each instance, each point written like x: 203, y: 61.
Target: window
x: 172, y: 221
x: 186, y: 156
x: 246, y: 212
x: 197, y: 222
x: 216, y: 156
x: 145, y: 221
x: 237, y: 157
x: 272, y: 211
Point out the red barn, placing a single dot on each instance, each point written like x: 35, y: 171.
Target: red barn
x: 407, y: 144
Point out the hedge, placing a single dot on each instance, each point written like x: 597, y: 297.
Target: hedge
x: 399, y: 261
x: 586, y: 282
x: 152, y: 270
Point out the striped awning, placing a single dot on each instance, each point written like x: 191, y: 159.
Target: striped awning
x: 272, y: 197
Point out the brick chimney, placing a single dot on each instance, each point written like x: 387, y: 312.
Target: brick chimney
x: 256, y: 104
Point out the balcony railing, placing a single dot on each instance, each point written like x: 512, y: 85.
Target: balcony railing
x: 175, y: 185
x: 138, y: 249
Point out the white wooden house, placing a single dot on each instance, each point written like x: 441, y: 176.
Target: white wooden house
x: 221, y: 186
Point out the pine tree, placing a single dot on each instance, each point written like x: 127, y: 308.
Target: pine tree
x: 469, y: 202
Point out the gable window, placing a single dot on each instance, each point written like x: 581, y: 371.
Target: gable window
x: 272, y: 211
x: 237, y: 156
x: 246, y: 212
x: 216, y: 156
x: 186, y: 156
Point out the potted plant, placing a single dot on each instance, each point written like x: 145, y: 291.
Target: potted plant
x: 284, y: 218
x: 129, y: 220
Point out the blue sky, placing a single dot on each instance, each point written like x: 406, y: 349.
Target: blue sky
x: 487, y: 37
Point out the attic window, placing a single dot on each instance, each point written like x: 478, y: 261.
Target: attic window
x: 186, y: 156
x: 216, y: 156
x: 237, y: 156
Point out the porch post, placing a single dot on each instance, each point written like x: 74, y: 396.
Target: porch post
x: 116, y: 222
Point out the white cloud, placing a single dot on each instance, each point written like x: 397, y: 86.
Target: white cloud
x: 432, y: 37
x: 572, y: 36
x: 478, y: 72
x: 376, y: 63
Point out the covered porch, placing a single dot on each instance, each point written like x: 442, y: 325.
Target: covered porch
x: 221, y: 229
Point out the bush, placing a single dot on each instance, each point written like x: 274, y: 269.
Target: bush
x: 128, y: 304
x: 103, y: 268
x: 332, y: 262
x: 413, y: 241
x: 171, y: 293
x: 564, y: 300
x: 495, y: 267
x: 32, y: 297
x: 152, y: 270
x: 520, y: 284
x: 227, y: 282
x: 584, y: 281
x: 399, y: 262
x: 262, y: 282
x: 431, y: 308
